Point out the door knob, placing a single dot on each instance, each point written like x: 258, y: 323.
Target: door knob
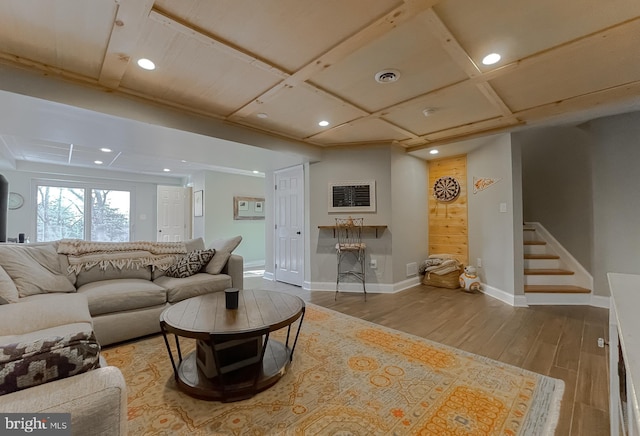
x: 297, y: 233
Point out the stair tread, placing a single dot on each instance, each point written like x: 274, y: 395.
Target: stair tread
x: 559, y: 289
x: 535, y: 243
x: 529, y: 229
x: 541, y: 256
x: 547, y: 272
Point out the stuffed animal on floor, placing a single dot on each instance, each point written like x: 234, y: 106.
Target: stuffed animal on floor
x: 469, y: 280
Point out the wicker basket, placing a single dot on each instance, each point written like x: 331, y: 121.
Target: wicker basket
x: 449, y: 280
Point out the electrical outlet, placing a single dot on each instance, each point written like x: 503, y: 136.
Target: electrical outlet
x: 479, y: 262
x: 373, y: 263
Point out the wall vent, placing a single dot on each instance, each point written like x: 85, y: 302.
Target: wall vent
x: 387, y: 76
x: 412, y: 269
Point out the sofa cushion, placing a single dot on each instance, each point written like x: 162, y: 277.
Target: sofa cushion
x: 8, y: 290
x: 34, y: 269
x: 224, y: 248
x: 190, y: 264
x: 31, y: 363
x: 110, y: 272
x: 118, y: 295
x: 197, y: 284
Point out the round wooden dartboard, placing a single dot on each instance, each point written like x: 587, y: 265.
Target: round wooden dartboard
x: 446, y: 189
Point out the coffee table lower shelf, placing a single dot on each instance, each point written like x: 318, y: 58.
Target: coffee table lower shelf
x: 239, y: 384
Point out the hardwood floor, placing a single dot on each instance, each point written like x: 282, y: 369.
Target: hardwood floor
x: 558, y: 341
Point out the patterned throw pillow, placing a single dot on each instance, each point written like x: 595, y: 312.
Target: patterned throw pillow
x: 191, y: 264
x: 27, y: 364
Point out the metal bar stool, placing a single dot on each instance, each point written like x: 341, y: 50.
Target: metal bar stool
x: 349, y: 232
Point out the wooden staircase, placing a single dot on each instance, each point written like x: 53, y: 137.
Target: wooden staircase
x: 544, y: 270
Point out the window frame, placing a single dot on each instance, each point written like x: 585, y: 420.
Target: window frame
x: 87, y: 186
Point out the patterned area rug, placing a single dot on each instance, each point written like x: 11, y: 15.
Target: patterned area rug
x: 349, y: 377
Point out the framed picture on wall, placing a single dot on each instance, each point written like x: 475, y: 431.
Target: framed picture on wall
x: 352, y: 196
x: 197, y: 203
x: 248, y: 208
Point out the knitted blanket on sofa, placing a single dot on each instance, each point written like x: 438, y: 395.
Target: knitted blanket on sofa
x: 88, y: 254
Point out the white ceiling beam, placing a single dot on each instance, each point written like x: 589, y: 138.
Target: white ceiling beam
x: 384, y: 24
x: 460, y: 56
x: 209, y: 40
x: 560, y: 50
x: 127, y: 26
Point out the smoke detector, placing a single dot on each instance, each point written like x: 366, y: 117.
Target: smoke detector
x: 387, y: 76
x: 428, y: 111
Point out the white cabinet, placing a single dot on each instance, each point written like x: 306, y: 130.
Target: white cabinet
x: 624, y: 354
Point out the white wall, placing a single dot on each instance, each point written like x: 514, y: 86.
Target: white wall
x: 491, y: 232
x: 401, y: 189
x: 217, y: 222
x: 409, y: 212
x: 616, y: 199
x: 557, y: 186
x: 342, y: 165
x: 143, y: 215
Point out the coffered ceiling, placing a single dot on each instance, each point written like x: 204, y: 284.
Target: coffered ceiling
x: 282, y: 66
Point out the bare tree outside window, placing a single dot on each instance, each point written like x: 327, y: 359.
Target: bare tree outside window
x: 109, y: 215
x: 62, y: 213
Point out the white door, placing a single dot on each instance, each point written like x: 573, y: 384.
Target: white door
x: 173, y: 206
x: 289, y: 219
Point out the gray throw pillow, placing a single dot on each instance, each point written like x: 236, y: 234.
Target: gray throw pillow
x: 190, y: 264
x: 224, y: 248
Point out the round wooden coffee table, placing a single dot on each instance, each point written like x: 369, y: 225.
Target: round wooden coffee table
x: 235, y: 357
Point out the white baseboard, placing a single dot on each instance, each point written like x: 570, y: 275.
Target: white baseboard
x: 268, y: 276
x: 373, y: 288
x: 253, y: 264
x: 567, y: 300
x: 505, y: 297
x: 600, y: 301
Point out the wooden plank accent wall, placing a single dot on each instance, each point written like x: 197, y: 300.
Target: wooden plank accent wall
x: 448, y: 227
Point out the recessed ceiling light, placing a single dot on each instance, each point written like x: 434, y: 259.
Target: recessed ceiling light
x: 262, y: 115
x: 183, y: 161
x: 256, y: 172
x: 491, y: 59
x: 434, y: 151
x: 166, y: 170
x: 146, y: 64
x: 323, y: 123
x: 97, y: 162
x: 105, y: 149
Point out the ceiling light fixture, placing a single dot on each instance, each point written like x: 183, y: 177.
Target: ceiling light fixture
x: 323, y: 123
x: 491, y: 59
x: 387, y: 76
x: 105, y: 150
x: 97, y: 162
x: 434, y: 151
x: 166, y: 170
x: 256, y: 172
x: 428, y: 111
x: 262, y: 115
x: 146, y: 64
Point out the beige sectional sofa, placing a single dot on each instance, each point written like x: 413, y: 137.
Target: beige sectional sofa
x: 95, y: 398
x: 66, y: 311
x: 124, y: 302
